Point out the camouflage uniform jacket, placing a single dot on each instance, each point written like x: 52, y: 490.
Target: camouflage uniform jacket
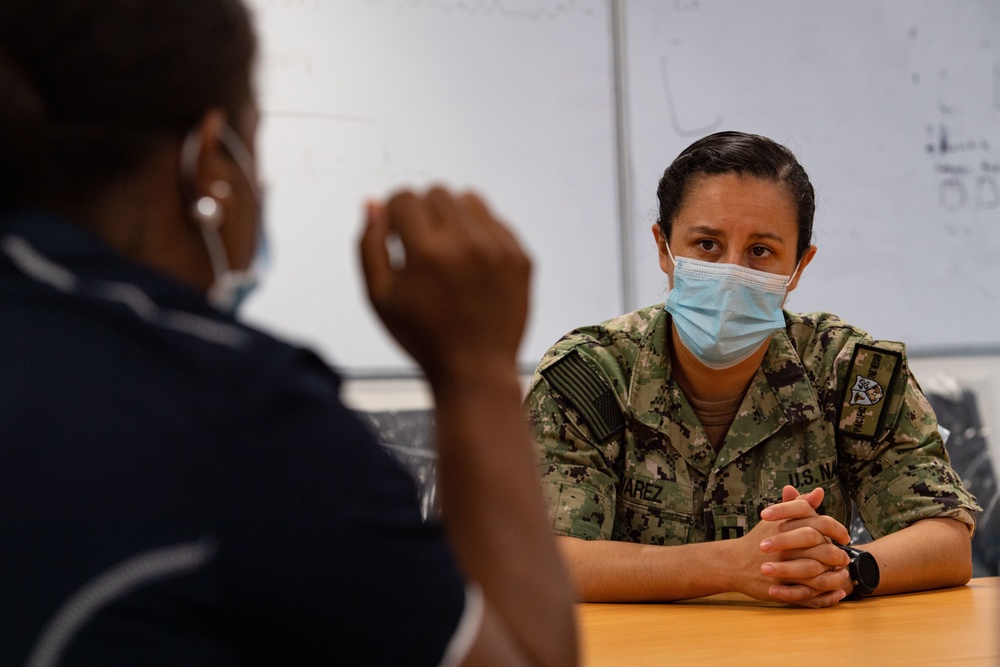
x: 623, y: 456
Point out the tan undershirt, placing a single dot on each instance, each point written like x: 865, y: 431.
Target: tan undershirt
x: 726, y: 389
x: 716, y: 417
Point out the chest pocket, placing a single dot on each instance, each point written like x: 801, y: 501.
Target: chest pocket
x: 653, y: 511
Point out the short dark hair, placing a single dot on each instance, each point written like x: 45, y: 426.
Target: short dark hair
x: 743, y: 154
x: 91, y: 88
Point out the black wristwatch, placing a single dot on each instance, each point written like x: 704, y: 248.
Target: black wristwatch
x: 863, y: 570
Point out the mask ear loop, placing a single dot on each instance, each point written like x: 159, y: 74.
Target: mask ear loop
x: 795, y: 272
x: 245, y: 161
x: 666, y: 244
x: 206, y: 211
x: 789, y: 281
x: 671, y: 256
x: 673, y: 261
x: 241, y: 154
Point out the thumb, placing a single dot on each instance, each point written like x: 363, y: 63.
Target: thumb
x: 374, y: 254
x: 789, y: 493
x: 814, y: 497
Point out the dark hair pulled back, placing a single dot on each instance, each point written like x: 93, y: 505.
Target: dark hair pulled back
x: 91, y: 88
x: 743, y: 154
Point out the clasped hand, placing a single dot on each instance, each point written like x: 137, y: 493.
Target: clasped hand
x: 457, y: 300
x: 798, y: 560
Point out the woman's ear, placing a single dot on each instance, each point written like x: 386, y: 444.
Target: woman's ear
x: 206, y: 168
x: 807, y: 257
x: 666, y: 263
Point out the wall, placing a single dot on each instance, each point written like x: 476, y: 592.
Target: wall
x: 892, y: 107
x: 360, y: 97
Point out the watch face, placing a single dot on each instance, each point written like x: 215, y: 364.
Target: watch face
x: 863, y: 570
x: 867, y: 571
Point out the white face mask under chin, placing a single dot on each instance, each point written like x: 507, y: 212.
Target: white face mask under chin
x: 230, y: 287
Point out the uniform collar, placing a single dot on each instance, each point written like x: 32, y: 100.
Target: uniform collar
x: 779, y: 394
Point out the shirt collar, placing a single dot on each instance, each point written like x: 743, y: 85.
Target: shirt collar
x: 780, y: 393
x: 56, y: 254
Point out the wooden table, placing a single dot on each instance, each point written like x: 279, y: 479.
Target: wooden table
x: 944, y: 627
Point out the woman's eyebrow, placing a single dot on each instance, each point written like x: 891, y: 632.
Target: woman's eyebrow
x: 770, y: 236
x: 708, y: 230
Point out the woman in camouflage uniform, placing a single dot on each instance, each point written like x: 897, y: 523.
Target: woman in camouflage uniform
x: 718, y: 442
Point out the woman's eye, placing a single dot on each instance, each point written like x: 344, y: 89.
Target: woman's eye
x: 760, y: 251
x: 706, y: 244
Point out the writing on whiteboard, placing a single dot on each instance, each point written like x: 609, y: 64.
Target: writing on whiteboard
x: 968, y: 168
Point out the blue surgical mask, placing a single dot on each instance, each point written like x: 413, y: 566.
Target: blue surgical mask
x: 230, y: 287
x: 724, y: 312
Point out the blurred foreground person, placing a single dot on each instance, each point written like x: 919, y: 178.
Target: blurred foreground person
x: 178, y: 488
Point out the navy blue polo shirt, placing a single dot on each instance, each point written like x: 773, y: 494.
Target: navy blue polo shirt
x: 178, y: 488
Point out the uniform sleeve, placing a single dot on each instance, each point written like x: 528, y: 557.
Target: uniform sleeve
x: 897, y: 464
x: 577, y: 427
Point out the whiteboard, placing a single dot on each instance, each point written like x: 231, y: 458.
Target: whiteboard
x: 892, y: 107
x: 512, y: 97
